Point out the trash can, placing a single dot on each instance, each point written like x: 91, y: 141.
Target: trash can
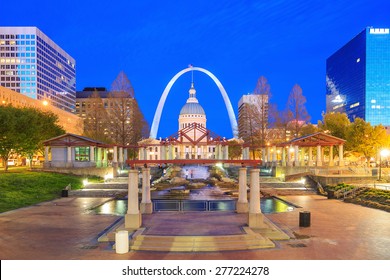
x: 122, y: 242
x: 64, y: 193
x: 304, y: 219
x: 330, y: 194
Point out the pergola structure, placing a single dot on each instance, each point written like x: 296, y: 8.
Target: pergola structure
x: 299, y: 151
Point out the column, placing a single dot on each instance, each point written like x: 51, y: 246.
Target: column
x: 255, y: 216
x: 46, y: 154
x: 146, y: 203
x: 331, y: 162
x: 318, y: 161
x: 263, y: 157
x: 92, y: 156
x: 274, y: 156
x: 226, y: 153
x: 341, y: 155
x: 268, y: 154
x: 296, y: 156
x: 125, y: 156
x: 170, y: 152
x: 310, y: 162
x: 302, y: 162
x: 133, y: 218
x: 115, y: 162
x: 69, y: 157
x: 46, y: 163
x: 121, y: 157
x: 99, y: 157
x: 242, y: 202
x: 163, y: 152
x: 284, y: 156
x: 289, y: 157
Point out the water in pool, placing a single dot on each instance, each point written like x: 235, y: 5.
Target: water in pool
x: 267, y: 205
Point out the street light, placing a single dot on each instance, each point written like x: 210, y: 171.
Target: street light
x: 382, y: 153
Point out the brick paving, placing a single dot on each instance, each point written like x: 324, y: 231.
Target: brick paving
x: 64, y: 229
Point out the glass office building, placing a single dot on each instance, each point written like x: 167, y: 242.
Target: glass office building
x: 32, y: 64
x: 358, y: 77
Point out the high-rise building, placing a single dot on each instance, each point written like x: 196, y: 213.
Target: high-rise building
x: 358, y: 77
x: 32, y: 64
x: 252, y: 114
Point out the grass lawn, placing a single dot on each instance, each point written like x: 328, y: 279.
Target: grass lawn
x: 20, y: 187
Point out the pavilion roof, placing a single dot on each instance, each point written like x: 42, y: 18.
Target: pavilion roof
x: 315, y: 139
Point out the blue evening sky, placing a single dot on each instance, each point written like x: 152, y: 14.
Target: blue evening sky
x: 288, y: 42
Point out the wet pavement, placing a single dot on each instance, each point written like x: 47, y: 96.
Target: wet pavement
x: 66, y: 229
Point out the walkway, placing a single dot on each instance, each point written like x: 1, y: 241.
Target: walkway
x: 65, y: 229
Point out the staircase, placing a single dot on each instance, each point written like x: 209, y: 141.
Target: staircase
x: 112, y: 188
x: 248, y: 241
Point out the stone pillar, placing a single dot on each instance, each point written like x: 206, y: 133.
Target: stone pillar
x: 318, y: 161
x: 69, y: 157
x: 46, y: 154
x: 170, y: 151
x: 310, y: 162
x: 296, y: 156
x: 163, y: 152
x: 133, y: 218
x: 115, y: 155
x: 331, y: 162
x: 125, y: 155
x: 146, y: 203
x: 242, y: 202
x: 268, y: 154
x: 274, y: 156
x: 115, y: 162
x: 92, y: 155
x: 255, y: 216
x: 105, y: 160
x: 341, y: 155
x: 47, y: 162
x: 302, y: 162
x: 99, y: 157
x: 284, y: 156
x: 226, y: 152
x: 289, y: 157
x: 121, y: 157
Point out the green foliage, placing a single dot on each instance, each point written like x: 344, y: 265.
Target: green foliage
x: 337, y: 124
x: 366, y: 139
x: 23, y: 130
x: 24, y: 188
x: 234, y: 149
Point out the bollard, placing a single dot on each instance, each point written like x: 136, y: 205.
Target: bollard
x: 304, y: 219
x: 122, y: 242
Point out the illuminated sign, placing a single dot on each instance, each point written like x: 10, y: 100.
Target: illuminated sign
x: 337, y: 99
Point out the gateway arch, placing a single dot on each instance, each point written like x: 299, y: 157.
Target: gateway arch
x: 229, y: 108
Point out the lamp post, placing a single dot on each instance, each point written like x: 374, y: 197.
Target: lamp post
x: 382, y: 153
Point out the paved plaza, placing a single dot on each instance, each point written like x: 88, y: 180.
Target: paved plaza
x: 65, y: 229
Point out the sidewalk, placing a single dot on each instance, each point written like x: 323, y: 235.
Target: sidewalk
x: 64, y: 229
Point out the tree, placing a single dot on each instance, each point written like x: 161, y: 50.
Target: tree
x: 8, y: 133
x: 296, y: 111
x: 127, y: 124
x: 254, y: 116
x: 23, y: 131
x: 234, y: 149
x: 336, y: 124
x: 366, y: 139
x: 122, y: 84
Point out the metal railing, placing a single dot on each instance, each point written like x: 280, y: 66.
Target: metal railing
x: 194, y: 205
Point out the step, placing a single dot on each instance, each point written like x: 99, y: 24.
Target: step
x: 248, y: 241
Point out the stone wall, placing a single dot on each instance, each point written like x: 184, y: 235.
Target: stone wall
x: 87, y: 171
